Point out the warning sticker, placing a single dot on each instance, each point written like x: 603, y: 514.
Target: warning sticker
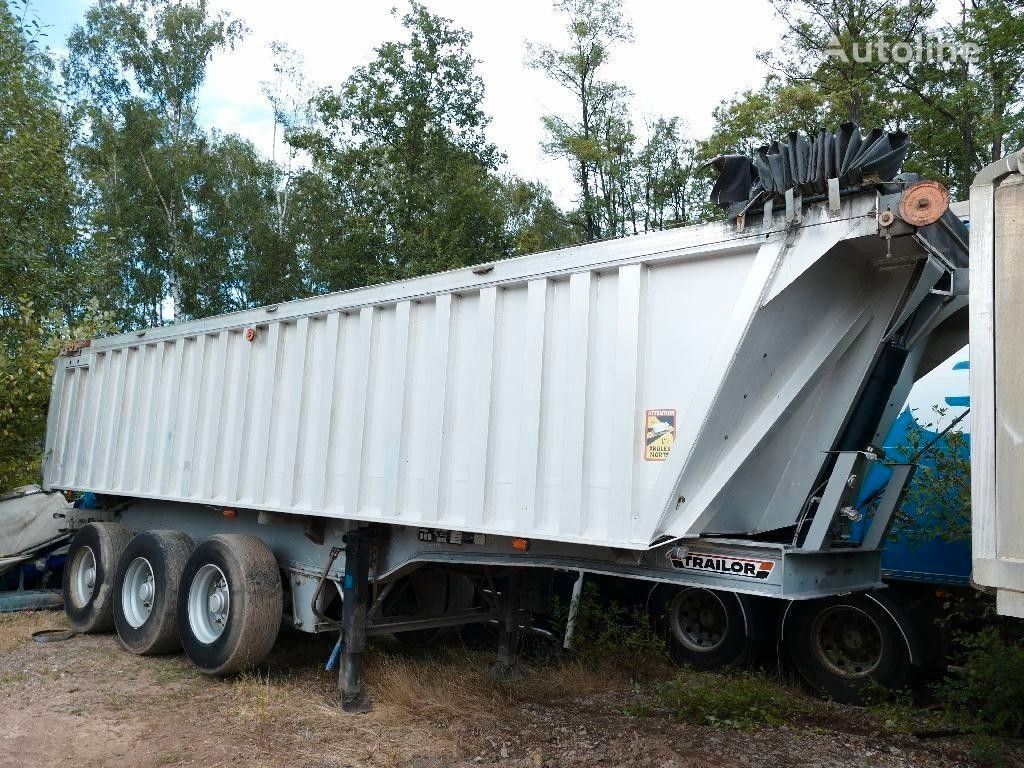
x: 660, y: 434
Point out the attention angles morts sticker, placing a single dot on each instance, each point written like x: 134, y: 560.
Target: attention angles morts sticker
x: 721, y: 564
x: 659, y: 434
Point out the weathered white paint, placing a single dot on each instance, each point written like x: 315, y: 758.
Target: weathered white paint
x: 509, y: 399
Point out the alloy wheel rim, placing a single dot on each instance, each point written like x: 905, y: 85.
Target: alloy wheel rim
x: 83, y: 577
x: 209, y: 603
x: 138, y: 592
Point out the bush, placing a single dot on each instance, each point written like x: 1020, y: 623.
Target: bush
x: 28, y: 345
x: 610, y: 635
x: 989, y: 694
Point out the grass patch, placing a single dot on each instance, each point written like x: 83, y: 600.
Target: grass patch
x: 13, y: 679
x: 740, y: 700
x: 16, y: 628
x: 168, y: 671
x: 442, y: 687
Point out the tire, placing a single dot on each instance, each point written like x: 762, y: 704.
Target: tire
x: 146, y: 591
x: 229, y: 603
x: 89, y: 575
x: 845, y: 646
x: 707, y: 629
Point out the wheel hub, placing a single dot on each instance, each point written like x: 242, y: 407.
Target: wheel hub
x: 699, y: 620
x: 138, y: 592
x: 83, y: 577
x: 852, y: 638
x: 209, y: 603
x: 216, y: 602
x: 847, y: 641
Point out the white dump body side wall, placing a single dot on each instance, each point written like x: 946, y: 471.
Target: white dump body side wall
x: 997, y: 366
x: 508, y: 400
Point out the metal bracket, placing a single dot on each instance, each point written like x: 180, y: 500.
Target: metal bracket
x: 902, y: 474
x: 794, y: 207
x: 839, y: 492
x: 326, y: 622
x: 961, y: 281
x: 766, y: 218
x: 833, y: 195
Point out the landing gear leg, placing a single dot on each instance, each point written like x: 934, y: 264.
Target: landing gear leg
x: 507, y: 665
x: 355, y: 601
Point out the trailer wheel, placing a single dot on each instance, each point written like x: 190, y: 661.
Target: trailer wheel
x: 707, y: 629
x: 843, y: 646
x: 89, y: 575
x: 229, y: 603
x: 146, y: 591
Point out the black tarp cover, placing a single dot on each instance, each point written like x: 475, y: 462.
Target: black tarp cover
x: 805, y: 164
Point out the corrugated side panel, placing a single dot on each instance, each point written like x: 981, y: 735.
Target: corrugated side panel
x: 516, y: 407
x: 1009, y: 373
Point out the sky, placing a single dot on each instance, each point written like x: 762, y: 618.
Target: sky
x: 685, y: 58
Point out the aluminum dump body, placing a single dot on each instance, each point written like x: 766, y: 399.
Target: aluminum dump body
x: 671, y: 384
x: 997, y: 369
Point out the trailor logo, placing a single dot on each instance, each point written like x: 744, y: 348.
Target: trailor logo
x: 726, y: 566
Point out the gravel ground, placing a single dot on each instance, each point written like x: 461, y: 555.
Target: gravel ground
x: 89, y: 703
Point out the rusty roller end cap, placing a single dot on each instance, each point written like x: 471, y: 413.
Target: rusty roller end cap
x: 924, y: 203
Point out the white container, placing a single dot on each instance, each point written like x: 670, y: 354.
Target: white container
x: 511, y: 398
x: 997, y: 368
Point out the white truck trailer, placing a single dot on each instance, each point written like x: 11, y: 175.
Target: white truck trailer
x: 694, y: 408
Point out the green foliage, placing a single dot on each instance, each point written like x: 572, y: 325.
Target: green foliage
x: 986, y: 696
x: 739, y: 700
x: 607, y: 635
x: 940, y: 493
x: 403, y: 180
x: 151, y: 176
x: 30, y: 343
x: 960, y: 114
x: 626, y: 185
x: 847, y: 88
x: 37, y: 258
x: 754, y: 118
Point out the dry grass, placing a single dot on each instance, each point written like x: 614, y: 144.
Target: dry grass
x: 439, y: 689
x: 295, y: 712
x: 114, y: 710
x: 16, y: 628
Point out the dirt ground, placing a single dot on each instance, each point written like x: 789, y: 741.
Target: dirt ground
x: 87, y: 702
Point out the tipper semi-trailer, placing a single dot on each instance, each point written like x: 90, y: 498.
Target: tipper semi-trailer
x: 695, y: 408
